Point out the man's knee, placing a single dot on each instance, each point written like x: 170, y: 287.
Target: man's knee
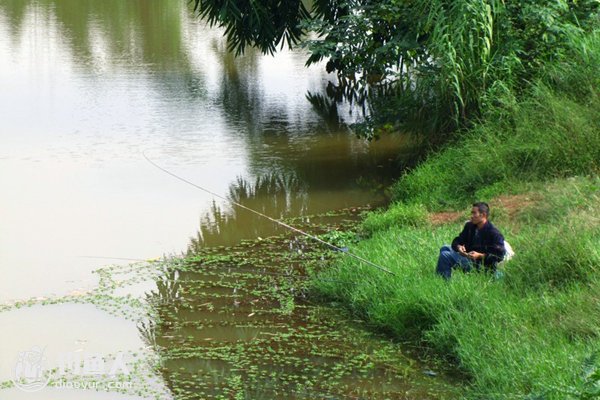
x: 446, y: 249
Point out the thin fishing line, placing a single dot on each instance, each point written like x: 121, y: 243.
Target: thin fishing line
x: 364, y: 260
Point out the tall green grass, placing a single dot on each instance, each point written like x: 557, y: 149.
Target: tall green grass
x: 532, y: 334
x: 552, y: 132
x: 466, y: 53
x: 525, y: 335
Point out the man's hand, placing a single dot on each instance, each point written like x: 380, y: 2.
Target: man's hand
x: 462, y: 250
x: 473, y: 255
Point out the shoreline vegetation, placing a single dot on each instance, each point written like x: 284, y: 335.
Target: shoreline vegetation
x: 505, y: 98
x: 535, y: 333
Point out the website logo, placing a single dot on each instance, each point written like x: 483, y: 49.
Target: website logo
x: 31, y: 372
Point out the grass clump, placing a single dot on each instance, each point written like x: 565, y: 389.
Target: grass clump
x: 562, y: 234
x: 551, y: 137
x: 563, y: 255
x: 399, y: 213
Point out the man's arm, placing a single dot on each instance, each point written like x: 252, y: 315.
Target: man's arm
x: 461, y: 239
x: 495, y: 249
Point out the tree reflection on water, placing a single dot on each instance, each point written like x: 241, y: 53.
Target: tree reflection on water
x: 276, y: 195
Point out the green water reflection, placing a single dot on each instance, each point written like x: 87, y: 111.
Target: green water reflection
x: 133, y: 31
x: 297, y: 185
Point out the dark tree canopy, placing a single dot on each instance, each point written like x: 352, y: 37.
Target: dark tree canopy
x: 263, y: 24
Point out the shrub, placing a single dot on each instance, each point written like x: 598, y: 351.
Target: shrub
x: 398, y: 214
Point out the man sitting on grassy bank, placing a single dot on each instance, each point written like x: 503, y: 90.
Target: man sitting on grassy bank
x: 479, y: 243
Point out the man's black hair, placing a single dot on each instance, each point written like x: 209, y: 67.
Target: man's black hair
x: 483, y: 208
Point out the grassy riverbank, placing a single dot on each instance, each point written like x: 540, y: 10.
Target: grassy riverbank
x: 536, y: 161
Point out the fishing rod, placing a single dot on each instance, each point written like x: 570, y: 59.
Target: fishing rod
x: 281, y: 223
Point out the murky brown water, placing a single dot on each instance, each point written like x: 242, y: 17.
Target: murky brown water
x: 85, y: 88
x: 245, y: 314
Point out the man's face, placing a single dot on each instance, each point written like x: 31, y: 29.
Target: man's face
x: 476, y: 216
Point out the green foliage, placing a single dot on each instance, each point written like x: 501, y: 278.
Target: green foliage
x: 578, y: 77
x: 550, y: 133
x: 589, y: 388
x: 541, y: 31
x: 463, y: 45
x: 398, y: 214
x: 376, y: 37
x: 436, y: 71
x: 429, y: 66
x: 264, y: 24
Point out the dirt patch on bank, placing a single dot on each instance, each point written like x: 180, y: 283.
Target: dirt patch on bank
x: 509, y: 205
x: 512, y: 204
x: 445, y: 217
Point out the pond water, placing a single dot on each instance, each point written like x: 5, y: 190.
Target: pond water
x: 87, y: 88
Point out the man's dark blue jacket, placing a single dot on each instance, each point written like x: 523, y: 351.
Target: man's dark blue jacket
x: 487, y: 240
